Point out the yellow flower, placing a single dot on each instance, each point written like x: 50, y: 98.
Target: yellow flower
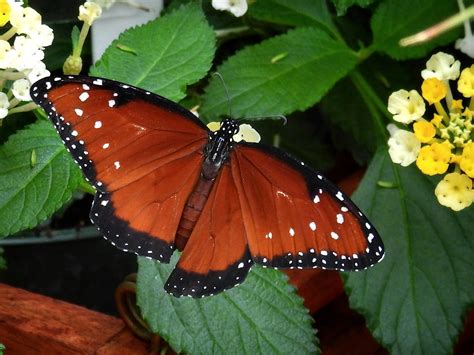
x: 455, y: 191
x: 467, y: 159
x: 436, y: 120
x: 406, y: 106
x: 424, y: 131
x: 214, y: 126
x: 434, y: 159
x: 468, y: 113
x: 5, y: 11
x: 433, y: 90
x: 456, y: 105
x: 466, y: 82
x: 247, y: 134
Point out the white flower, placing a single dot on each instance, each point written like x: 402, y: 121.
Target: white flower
x: 38, y: 72
x: 4, y: 104
x: 43, y: 36
x: 25, y: 19
x: 406, y: 106
x: 237, y: 7
x: 21, y: 89
x: 247, y: 134
x: 5, y: 54
x: 105, y: 4
x: 25, y: 53
x: 441, y: 66
x: 466, y: 45
x: 89, y: 12
x: 403, y: 146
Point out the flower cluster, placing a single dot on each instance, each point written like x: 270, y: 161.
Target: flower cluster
x: 442, y: 140
x: 21, y: 54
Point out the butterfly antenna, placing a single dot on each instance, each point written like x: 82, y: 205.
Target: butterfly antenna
x: 280, y: 117
x: 226, y: 91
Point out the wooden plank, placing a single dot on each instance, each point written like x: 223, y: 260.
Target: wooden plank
x: 32, y: 323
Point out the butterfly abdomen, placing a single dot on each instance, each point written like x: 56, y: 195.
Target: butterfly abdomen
x: 192, y: 211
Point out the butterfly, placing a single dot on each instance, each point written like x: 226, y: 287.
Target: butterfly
x: 165, y: 181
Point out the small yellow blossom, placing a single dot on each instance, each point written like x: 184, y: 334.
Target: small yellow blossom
x: 214, y: 126
x: 434, y: 159
x: 436, y: 120
x: 406, y: 106
x: 5, y: 11
x: 89, y: 11
x: 467, y: 159
x: 424, y: 131
x: 456, y: 105
x: 468, y: 113
x: 247, y: 134
x: 466, y: 82
x: 433, y: 90
x: 455, y: 191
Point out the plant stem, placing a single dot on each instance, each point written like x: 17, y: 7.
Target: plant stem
x: 8, y: 75
x: 374, y: 104
x: 82, y: 38
x: 23, y: 108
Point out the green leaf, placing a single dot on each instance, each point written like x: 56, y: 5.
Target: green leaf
x: 296, y: 13
x: 262, y: 315
x: 168, y: 53
x: 394, y: 20
x: 343, y: 5
x: 30, y: 194
x: 415, y: 299
x: 258, y: 87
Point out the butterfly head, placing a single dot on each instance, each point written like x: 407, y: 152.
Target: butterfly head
x: 218, y: 149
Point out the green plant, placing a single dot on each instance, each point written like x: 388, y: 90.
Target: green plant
x: 330, y: 71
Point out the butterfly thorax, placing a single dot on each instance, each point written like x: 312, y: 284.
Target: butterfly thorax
x: 218, y: 148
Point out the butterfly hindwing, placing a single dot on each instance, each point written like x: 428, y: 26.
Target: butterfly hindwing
x: 132, y: 146
x: 295, y: 218
x: 216, y: 256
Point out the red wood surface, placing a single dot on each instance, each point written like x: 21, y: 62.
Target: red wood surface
x: 35, y: 324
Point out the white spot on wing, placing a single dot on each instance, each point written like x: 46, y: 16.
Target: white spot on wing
x: 84, y: 96
x: 292, y: 232
x: 334, y: 235
x: 241, y: 265
x: 97, y: 124
x: 340, y: 218
x: 117, y: 164
x: 111, y: 103
x: 312, y: 225
x: 339, y: 196
x: 316, y: 199
x: 105, y: 146
x: 78, y: 112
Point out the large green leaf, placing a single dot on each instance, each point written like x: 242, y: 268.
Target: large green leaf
x: 293, y: 13
x: 343, y: 5
x: 394, y: 20
x: 280, y: 75
x: 415, y: 299
x: 261, y: 316
x: 162, y: 56
x: 37, y: 176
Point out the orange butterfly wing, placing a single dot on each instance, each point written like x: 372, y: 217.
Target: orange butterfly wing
x: 295, y: 218
x: 216, y: 256
x: 132, y: 146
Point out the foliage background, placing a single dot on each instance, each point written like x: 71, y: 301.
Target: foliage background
x: 329, y: 66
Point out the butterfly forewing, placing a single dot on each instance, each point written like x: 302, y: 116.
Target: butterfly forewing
x: 294, y: 217
x: 132, y: 146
